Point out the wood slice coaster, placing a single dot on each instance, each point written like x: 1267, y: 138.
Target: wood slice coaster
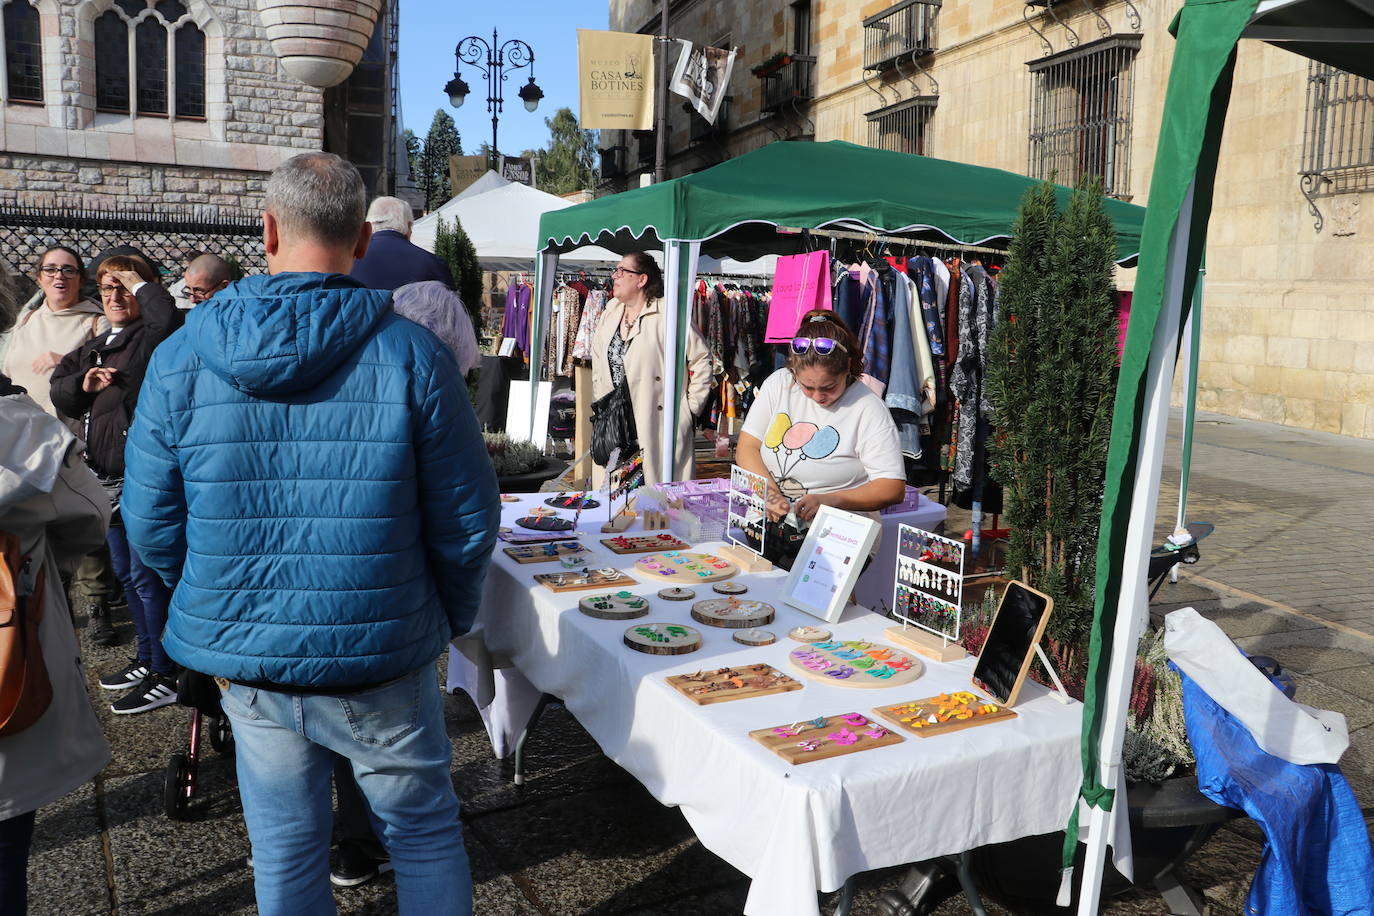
x: 571, y: 501
x: 856, y: 663
x: 691, y: 567
x: 509, y: 498
x: 644, y: 543
x: 545, y: 523
x: 949, y: 712
x: 730, y: 588
x: 732, y: 613
x: 616, y: 606
x: 754, y: 637
x: 808, y: 634
x: 738, y: 683
x: 574, y: 582
x: 823, y: 738
x: 663, y: 639
x: 544, y: 553
x: 676, y: 594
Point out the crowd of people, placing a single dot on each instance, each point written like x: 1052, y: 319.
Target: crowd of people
x: 284, y: 475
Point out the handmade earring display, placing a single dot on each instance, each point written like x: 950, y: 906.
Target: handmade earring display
x: 685, y: 567
x: 545, y: 553
x: 571, y: 501
x: 550, y: 522
x: 808, y: 634
x: 856, y: 664
x: 948, y: 712
x: 586, y: 578
x: 737, y: 683
x: 616, y: 606
x: 754, y: 637
x: 676, y: 594
x: 730, y: 588
x: 663, y: 639
x: 732, y: 613
x: 645, y: 543
x: 820, y: 739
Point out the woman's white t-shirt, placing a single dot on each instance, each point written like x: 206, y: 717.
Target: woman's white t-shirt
x: 810, y: 448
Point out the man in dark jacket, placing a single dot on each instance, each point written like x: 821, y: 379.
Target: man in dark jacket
x: 344, y: 514
x: 392, y: 260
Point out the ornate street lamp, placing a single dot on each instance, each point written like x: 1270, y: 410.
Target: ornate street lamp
x: 499, y: 58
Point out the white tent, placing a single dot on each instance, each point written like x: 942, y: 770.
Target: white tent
x: 503, y: 223
x: 488, y: 182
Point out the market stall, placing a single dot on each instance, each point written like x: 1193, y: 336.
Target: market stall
x: 735, y: 210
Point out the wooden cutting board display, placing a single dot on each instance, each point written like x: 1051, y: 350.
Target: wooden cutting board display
x: 644, y: 543
x: 856, y: 663
x: 949, y: 712
x: 825, y: 737
x: 738, y: 683
x: 685, y: 568
x: 576, y: 582
x: 544, y: 553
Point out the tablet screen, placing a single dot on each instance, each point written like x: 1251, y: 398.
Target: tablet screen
x: 1010, y: 641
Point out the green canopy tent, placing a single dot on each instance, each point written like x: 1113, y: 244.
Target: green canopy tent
x: 735, y: 209
x: 1338, y: 32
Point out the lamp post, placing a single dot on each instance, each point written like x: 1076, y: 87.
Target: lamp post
x: 499, y: 58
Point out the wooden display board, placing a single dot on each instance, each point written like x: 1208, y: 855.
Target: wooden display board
x: 574, y: 582
x: 544, y: 553
x: 856, y: 663
x: 644, y: 543
x: 825, y: 737
x: 685, y: 567
x: 737, y: 683
x: 948, y: 712
x: 733, y: 613
x: 1015, y: 632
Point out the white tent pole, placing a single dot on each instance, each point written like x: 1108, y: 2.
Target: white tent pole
x: 1193, y: 330
x: 545, y: 269
x: 1132, y: 606
x: 672, y: 366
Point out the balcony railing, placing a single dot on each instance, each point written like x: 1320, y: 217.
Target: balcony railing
x: 791, y: 83
x: 900, y: 33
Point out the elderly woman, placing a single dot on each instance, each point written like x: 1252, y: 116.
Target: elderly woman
x: 433, y: 305
x: 628, y: 347
x: 819, y: 438
x: 100, y: 381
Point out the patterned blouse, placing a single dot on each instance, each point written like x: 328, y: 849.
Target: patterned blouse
x: 615, y: 355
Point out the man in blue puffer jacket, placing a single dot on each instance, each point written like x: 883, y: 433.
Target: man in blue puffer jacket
x: 306, y: 472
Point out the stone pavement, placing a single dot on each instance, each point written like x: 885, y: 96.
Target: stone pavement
x: 1287, y: 572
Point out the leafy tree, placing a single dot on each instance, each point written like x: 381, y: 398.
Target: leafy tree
x: 431, y: 176
x: 452, y: 244
x: 568, y: 163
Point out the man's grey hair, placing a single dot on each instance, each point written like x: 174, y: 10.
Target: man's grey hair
x: 212, y: 267
x: 318, y: 196
x: 9, y: 297
x: 390, y: 213
x: 433, y: 305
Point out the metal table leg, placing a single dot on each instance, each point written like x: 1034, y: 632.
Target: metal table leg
x: 846, y: 897
x: 544, y: 701
x: 965, y: 873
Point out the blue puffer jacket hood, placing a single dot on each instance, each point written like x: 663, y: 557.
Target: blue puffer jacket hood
x: 274, y: 334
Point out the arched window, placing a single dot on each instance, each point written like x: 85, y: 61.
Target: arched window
x: 23, y: 53
x: 168, y: 63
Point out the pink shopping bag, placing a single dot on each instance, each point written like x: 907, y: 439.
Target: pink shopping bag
x: 801, y: 283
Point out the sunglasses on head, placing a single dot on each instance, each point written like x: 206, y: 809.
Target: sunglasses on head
x: 822, y: 345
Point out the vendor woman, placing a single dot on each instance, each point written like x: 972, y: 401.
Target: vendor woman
x: 821, y: 438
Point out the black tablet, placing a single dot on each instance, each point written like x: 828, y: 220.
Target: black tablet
x: 1006, y: 654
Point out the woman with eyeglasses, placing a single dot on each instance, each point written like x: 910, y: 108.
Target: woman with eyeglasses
x: 100, y: 381
x: 817, y: 436
x: 61, y: 324
x: 628, y: 346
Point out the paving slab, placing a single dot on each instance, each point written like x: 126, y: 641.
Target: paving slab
x: 67, y: 864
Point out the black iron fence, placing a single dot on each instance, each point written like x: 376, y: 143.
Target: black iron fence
x: 166, y: 236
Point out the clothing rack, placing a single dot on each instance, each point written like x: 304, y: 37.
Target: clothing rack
x: 952, y: 247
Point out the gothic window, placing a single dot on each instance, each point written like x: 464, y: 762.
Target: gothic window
x: 23, y: 60
x: 166, y: 73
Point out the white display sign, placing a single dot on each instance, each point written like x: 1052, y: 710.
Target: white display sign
x: 831, y: 558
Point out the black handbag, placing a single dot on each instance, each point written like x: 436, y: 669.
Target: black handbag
x: 613, y: 425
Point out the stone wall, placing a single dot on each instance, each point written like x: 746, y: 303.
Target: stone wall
x: 84, y: 183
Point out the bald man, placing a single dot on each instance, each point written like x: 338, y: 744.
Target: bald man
x: 205, y: 276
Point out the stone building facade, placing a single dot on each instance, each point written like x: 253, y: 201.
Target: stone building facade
x: 1078, y: 85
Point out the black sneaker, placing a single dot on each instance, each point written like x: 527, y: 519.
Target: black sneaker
x: 98, y: 621
x: 152, y: 692
x: 130, y: 676
x: 356, y: 867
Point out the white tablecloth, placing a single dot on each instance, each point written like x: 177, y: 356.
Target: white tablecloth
x: 793, y: 829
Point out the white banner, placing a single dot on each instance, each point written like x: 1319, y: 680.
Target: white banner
x: 702, y: 76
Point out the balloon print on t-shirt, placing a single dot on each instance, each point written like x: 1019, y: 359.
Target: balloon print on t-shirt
x: 793, y: 443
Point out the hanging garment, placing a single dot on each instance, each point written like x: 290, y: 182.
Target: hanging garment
x: 903, y: 396
x: 586, y: 325
x: 966, y: 382
x: 515, y: 322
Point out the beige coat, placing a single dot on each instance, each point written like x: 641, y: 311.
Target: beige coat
x: 45, y: 330
x: 644, y: 372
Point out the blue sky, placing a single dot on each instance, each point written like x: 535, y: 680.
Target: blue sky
x: 431, y: 29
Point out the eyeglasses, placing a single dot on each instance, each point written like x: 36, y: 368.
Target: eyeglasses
x: 615, y: 272
x: 108, y: 291
x: 53, y: 270
x: 195, y: 292
x: 822, y: 345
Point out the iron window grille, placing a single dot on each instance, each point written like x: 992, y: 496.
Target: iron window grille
x: 168, y: 64
x: 900, y: 33
x: 1081, y: 102
x: 792, y: 82
x: 1338, y: 135
x: 23, y: 53
x: 904, y: 127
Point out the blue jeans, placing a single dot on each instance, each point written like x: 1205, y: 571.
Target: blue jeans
x: 395, y: 737
x: 148, y: 599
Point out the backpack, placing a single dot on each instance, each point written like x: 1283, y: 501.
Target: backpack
x: 25, y: 691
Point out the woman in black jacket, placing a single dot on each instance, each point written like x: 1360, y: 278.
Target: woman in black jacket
x: 99, y: 382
